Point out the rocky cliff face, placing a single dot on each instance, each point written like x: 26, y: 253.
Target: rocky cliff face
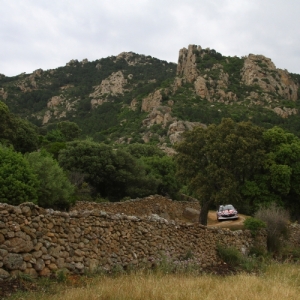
x: 275, y: 84
x: 187, y: 63
x: 251, y: 81
x: 258, y: 80
x: 113, y: 85
x: 151, y: 101
x: 177, y: 128
x: 57, y: 107
x: 132, y: 59
x: 260, y: 70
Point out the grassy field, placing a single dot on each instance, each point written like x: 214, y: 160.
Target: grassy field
x: 280, y: 281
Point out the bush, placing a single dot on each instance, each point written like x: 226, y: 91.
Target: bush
x: 258, y: 251
x: 54, y: 190
x: 290, y: 254
x: 254, y: 225
x: 276, y: 219
x: 230, y: 255
x: 236, y: 259
x: 18, y: 182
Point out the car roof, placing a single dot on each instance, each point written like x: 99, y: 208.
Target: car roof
x: 221, y: 206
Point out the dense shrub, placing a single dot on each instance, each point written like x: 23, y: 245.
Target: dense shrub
x: 19, y: 133
x: 114, y: 174
x: 254, y: 225
x: 276, y: 219
x: 230, y: 255
x: 54, y: 189
x: 18, y: 182
x: 234, y: 258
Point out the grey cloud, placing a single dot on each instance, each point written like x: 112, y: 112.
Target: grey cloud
x: 47, y: 34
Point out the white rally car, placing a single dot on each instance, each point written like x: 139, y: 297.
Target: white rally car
x: 227, y: 212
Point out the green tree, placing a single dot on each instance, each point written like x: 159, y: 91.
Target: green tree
x: 143, y: 150
x: 19, y: 133
x: 277, y: 180
x: 217, y: 161
x: 5, y: 123
x: 129, y: 178
x: 54, y: 148
x: 114, y: 173
x: 18, y: 183
x: 69, y: 130
x: 25, y: 138
x: 282, y: 168
x: 54, y: 190
x: 163, y: 169
x: 65, y: 131
x: 54, y: 136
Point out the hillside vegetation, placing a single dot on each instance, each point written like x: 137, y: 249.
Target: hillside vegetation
x: 136, y: 98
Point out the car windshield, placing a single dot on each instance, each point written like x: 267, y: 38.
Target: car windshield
x: 225, y: 207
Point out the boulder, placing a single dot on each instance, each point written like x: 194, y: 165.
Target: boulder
x: 191, y: 214
x: 151, y: 101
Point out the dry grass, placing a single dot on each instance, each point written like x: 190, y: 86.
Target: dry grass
x: 279, y: 282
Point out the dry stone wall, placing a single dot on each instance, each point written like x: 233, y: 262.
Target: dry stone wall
x: 155, y: 204
x: 294, y: 235
x: 38, y: 242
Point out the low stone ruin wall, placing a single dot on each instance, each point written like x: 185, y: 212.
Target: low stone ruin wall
x: 37, y: 242
x: 294, y: 235
x: 155, y: 204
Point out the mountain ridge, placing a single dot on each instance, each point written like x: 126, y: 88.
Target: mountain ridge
x: 136, y: 98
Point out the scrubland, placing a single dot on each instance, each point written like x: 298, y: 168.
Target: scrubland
x: 279, y: 281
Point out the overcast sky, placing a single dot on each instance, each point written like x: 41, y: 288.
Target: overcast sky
x: 47, y: 34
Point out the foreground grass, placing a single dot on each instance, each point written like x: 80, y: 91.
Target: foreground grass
x: 280, y: 281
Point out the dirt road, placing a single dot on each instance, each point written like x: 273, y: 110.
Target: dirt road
x: 212, y: 221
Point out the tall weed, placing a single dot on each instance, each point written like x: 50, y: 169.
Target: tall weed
x: 276, y: 219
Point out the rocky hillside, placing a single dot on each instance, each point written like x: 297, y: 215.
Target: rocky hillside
x: 137, y: 98
x: 250, y: 80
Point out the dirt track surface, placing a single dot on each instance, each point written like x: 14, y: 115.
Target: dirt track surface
x: 212, y: 221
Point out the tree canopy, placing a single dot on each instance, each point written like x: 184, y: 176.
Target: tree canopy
x: 113, y: 173
x: 278, y: 180
x: 240, y: 162
x: 163, y: 169
x: 19, y: 133
x: 216, y: 162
